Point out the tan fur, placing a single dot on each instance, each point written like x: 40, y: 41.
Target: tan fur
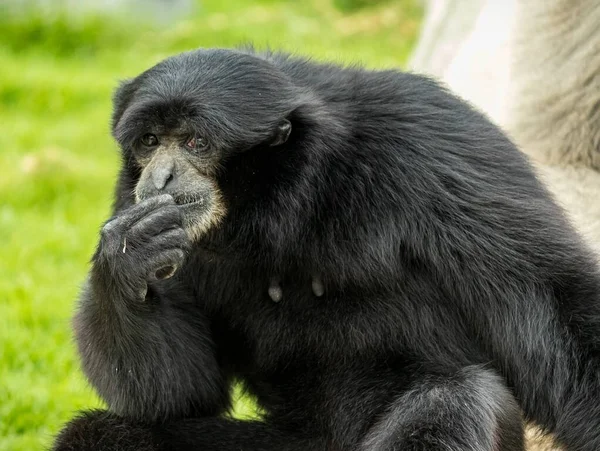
x: 554, y: 108
x: 195, y: 225
x: 540, y: 80
x: 536, y: 441
x: 197, y: 228
x: 554, y: 112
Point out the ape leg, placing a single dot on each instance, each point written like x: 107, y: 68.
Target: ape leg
x: 104, y: 431
x: 468, y: 410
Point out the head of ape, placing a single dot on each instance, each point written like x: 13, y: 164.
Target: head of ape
x: 179, y: 122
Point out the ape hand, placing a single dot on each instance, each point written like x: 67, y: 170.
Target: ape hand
x: 144, y: 344
x: 143, y: 243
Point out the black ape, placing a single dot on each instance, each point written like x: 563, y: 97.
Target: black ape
x: 451, y: 279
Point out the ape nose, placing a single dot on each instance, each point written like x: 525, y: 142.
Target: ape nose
x: 162, y: 175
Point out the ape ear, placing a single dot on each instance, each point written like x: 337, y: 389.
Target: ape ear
x: 122, y: 98
x: 282, y: 133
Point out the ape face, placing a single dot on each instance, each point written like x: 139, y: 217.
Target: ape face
x: 179, y: 126
x: 181, y: 163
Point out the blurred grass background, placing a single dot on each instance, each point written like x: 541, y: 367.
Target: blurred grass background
x: 58, y: 67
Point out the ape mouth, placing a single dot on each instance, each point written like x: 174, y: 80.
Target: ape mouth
x: 188, y: 200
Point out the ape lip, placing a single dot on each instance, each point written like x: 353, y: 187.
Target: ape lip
x: 188, y: 201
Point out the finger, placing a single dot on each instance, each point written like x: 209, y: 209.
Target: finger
x: 165, y: 272
x: 158, y: 221
x: 143, y: 245
x: 166, y: 264
x: 175, y: 238
x: 135, y: 213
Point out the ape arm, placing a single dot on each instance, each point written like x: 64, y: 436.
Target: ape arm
x: 466, y: 410
x: 144, y: 343
x: 459, y: 411
x: 101, y: 430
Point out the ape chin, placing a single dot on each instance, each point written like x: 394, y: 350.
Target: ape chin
x: 428, y: 288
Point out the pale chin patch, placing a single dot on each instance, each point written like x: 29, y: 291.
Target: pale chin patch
x: 199, y: 217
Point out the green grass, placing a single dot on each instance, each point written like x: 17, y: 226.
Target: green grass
x: 58, y: 163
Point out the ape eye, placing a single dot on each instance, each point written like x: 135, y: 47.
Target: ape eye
x: 197, y: 142
x: 149, y: 140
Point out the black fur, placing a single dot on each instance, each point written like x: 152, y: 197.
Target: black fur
x: 446, y: 264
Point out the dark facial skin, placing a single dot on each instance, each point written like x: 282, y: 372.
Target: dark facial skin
x: 184, y: 165
x: 454, y: 293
